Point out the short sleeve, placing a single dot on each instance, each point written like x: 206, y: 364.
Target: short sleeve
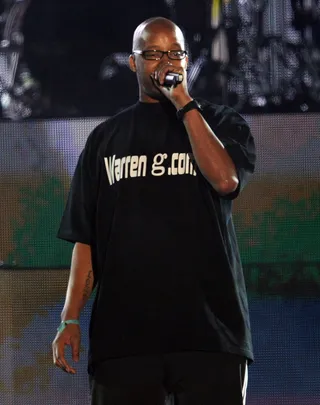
x: 77, y: 222
x: 235, y: 134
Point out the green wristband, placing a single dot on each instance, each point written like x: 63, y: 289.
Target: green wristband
x: 63, y: 324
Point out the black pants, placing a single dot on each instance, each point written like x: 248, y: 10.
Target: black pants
x: 189, y: 378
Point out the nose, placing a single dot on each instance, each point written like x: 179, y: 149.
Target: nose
x: 166, y: 56
x: 165, y: 60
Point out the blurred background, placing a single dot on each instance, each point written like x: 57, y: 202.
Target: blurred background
x: 63, y: 70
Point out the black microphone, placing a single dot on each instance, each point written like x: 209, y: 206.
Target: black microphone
x: 173, y: 79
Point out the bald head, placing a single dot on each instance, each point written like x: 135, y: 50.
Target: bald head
x: 154, y: 25
x: 155, y: 34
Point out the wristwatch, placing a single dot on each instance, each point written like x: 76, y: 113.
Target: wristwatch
x: 192, y: 105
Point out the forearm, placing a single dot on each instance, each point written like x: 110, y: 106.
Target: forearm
x: 212, y: 159
x: 80, y: 282
x: 210, y: 155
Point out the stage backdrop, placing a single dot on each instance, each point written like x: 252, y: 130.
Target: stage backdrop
x: 277, y: 218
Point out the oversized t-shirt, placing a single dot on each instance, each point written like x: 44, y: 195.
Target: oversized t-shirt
x: 164, y: 252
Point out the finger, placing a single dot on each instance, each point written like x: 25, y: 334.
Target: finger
x: 69, y: 370
x: 155, y: 82
x: 60, y: 365
x: 163, y: 72
x: 65, y: 367
x: 75, y: 345
x: 60, y: 359
x: 54, y: 352
x: 157, y: 73
x: 169, y: 68
x: 154, y: 76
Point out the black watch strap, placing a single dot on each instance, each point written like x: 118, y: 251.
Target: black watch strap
x: 192, y: 105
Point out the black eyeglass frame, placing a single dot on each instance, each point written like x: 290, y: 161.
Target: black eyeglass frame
x: 142, y: 53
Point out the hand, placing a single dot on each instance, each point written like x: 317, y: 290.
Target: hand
x: 69, y: 336
x: 178, y: 95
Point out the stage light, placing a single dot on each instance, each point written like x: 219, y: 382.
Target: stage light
x: 19, y: 91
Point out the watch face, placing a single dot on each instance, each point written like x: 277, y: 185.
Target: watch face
x: 199, y: 106
x: 195, y: 104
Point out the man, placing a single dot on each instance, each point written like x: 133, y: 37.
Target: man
x: 150, y: 214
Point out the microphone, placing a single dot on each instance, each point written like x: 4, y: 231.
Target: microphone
x: 173, y: 79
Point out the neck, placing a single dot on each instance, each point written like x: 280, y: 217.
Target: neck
x: 144, y: 98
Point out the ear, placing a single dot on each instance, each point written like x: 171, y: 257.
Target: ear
x: 132, y: 63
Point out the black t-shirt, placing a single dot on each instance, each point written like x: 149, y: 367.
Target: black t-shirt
x: 164, y: 251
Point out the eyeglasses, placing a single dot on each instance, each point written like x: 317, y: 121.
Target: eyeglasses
x: 157, y: 55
